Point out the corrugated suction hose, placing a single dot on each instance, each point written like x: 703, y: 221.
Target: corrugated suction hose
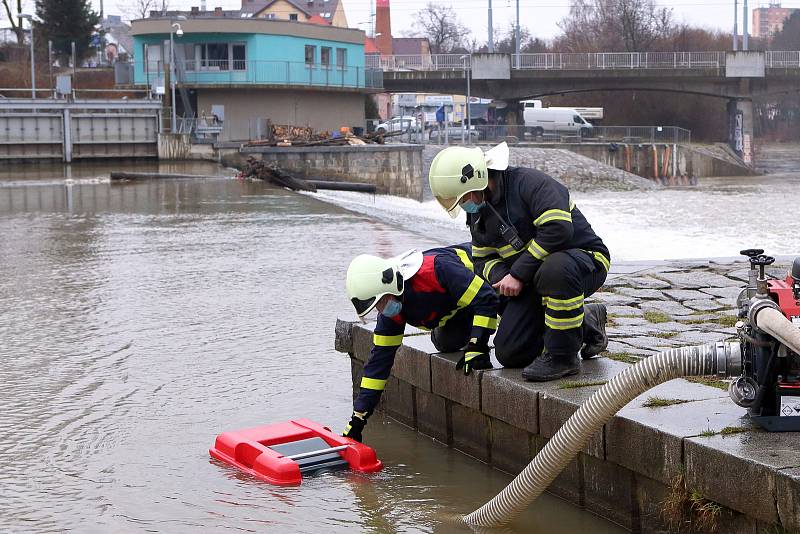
x: 722, y: 359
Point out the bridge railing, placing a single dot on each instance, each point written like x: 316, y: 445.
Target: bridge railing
x: 418, y: 62
x: 779, y: 59
x: 598, y: 134
x: 556, y: 61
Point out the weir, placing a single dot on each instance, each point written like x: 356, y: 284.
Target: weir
x: 681, y: 452
x: 68, y: 130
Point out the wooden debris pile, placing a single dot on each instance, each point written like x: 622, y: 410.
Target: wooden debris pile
x: 302, y: 136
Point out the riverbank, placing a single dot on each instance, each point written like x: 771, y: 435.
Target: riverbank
x: 682, y: 452
x: 577, y: 172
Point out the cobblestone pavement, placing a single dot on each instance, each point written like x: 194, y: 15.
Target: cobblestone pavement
x: 577, y: 172
x: 673, y: 304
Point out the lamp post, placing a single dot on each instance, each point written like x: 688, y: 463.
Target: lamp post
x: 467, y: 74
x: 29, y: 18
x: 174, y: 29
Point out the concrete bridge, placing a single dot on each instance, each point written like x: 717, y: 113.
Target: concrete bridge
x: 736, y: 77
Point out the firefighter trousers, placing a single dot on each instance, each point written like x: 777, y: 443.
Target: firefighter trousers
x: 548, y: 313
x: 454, y: 334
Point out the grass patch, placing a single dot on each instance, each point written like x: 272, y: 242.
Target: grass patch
x: 660, y: 402
x: 623, y: 357
x: 723, y: 320
x: 581, y: 384
x: 705, y: 512
x: 689, y: 511
x: 665, y: 335
x: 708, y: 433
x: 730, y: 430
x: 657, y: 317
x: 728, y: 320
x: 706, y: 381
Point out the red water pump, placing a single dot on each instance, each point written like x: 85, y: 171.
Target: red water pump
x: 769, y: 386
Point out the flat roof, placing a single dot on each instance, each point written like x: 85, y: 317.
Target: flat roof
x: 161, y: 25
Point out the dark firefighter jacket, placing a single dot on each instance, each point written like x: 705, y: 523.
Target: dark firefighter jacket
x: 443, y: 286
x: 545, y: 218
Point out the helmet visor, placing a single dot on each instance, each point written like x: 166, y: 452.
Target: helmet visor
x: 363, y: 306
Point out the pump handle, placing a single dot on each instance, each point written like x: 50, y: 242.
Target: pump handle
x: 751, y: 252
x: 761, y: 259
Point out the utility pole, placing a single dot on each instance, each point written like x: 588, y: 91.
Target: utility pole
x: 735, y: 25
x: 491, y: 37
x: 517, y: 37
x: 745, y: 35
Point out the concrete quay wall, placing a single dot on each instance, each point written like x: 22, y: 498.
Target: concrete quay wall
x: 647, y: 159
x: 697, y: 459
x: 394, y: 169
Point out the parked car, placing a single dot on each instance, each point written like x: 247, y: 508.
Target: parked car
x: 546, y: 120
x: 398, y: 124
x: 453, y: 132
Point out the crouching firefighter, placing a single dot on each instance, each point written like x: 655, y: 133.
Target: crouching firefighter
x: 435, y: 290
x: 535, y: 247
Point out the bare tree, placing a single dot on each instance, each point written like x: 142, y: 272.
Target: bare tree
x: 528, y: 43
x: 441, y: 27
x: 16, y: 24
x: 614, y: 25
x: 140, y: 9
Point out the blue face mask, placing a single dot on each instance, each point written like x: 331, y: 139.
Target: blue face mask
x: 392, y: 308
x: 470, y: 207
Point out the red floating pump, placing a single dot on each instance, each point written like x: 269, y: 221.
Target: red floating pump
x: 281, y: 452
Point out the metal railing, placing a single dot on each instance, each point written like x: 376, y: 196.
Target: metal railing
x: 418, y: 62
x: 255, y: 72
x: 556, y: 61
x: 778, y: 59
x: 597, y: 134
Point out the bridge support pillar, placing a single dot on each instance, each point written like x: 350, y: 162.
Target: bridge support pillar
x: 740, y: 128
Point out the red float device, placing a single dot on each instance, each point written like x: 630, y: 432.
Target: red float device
x: 281, y: 452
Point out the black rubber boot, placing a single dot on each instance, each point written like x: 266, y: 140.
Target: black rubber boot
x: 548, y: 367
x: 594, y: 330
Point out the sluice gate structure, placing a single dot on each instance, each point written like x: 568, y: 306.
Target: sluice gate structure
x: 68, y: 130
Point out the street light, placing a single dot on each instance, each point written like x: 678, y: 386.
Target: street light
x: 29, y: 18
x: 467, y: 74
x: 174, y: 29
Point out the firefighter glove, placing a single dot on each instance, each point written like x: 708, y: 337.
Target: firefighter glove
x: 475, y: 357
x: 356, y: 426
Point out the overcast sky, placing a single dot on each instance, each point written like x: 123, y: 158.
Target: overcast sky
x: 540, y: 16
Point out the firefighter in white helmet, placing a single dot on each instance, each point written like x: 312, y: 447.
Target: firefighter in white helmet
x: 539, y: 252
x: 434, y: 290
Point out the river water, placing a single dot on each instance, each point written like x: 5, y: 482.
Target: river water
x: 141, y: 319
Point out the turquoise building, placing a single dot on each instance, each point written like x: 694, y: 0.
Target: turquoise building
x: 239, y: 69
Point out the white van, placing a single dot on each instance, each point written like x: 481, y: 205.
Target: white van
x: 539, y: 121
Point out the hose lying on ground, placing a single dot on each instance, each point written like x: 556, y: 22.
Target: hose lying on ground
x: 722, y: 359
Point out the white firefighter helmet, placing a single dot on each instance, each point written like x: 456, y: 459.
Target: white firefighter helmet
x: 370, y: 277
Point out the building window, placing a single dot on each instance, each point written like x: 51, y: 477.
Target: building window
x: 311, y: 52
x: 153, y: 54
x: 292, y: 16
x: 214, y: 56
x: 325, y: 56
x: 239, y: 57
x: 341, y: 57
x: 271, y: 16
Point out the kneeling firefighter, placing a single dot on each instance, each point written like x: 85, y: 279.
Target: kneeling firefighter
x: 435, y: 290
x: 535, y: 247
